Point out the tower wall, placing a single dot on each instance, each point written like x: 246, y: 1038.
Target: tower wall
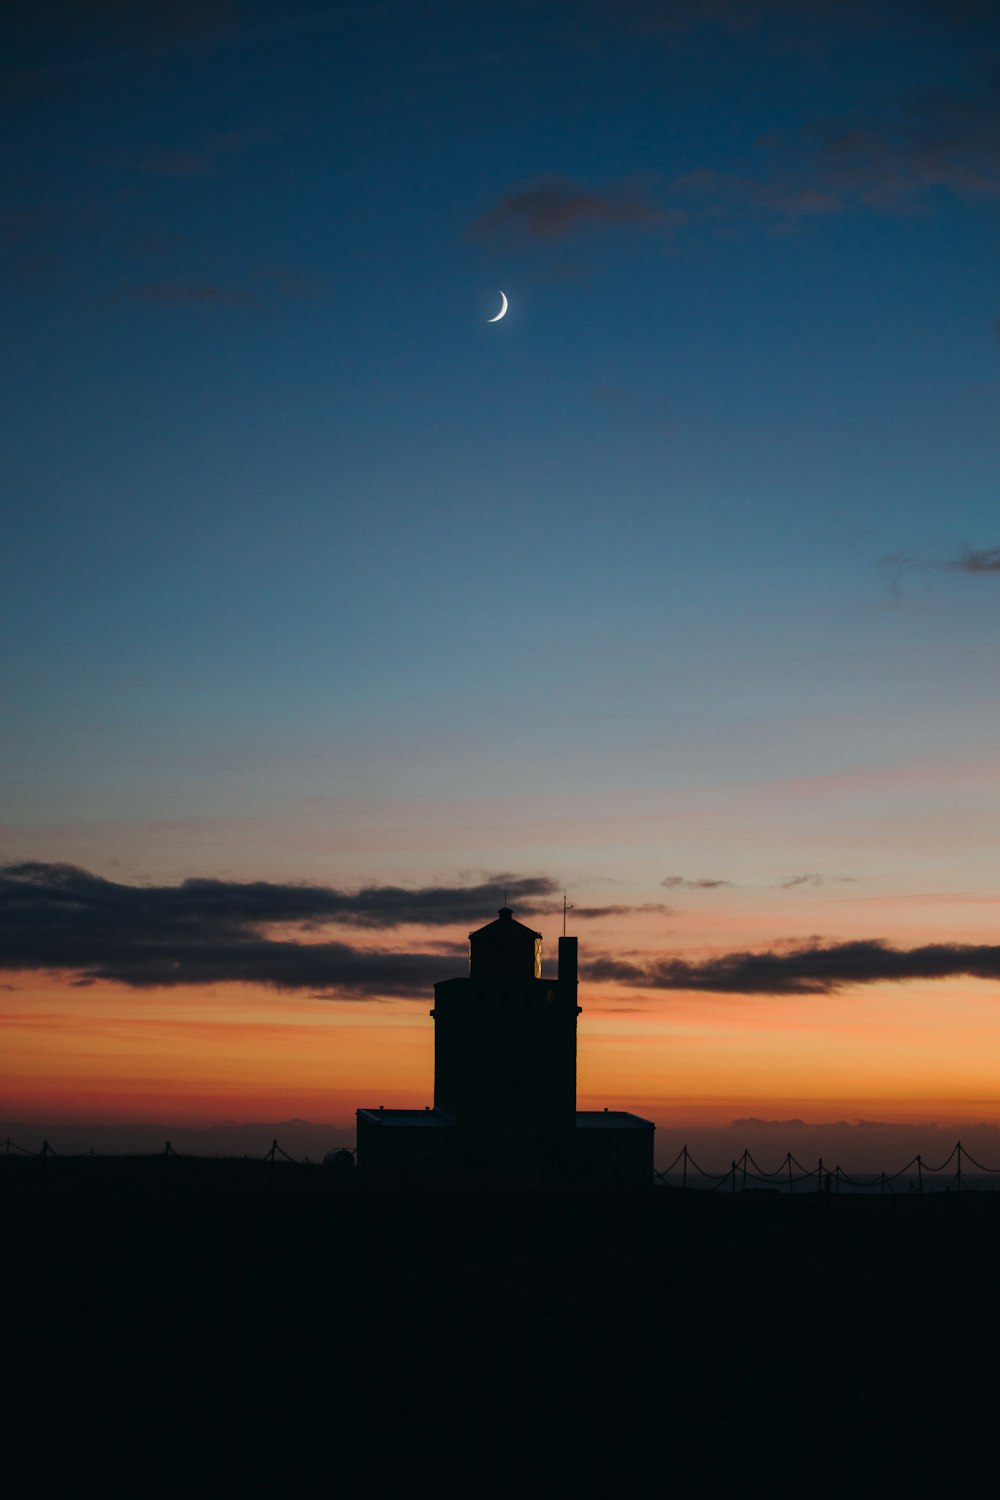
x: 505, y: 1052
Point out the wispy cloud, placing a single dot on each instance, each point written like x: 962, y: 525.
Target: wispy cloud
x: 981, y: 560
x: 650, y: 17
x: 682, y: 883
x: 178, y: 163
x: 712, y: 198
x: 202, y: 160
x: 556, y: 207
x: 922, y: 142
x: 280, y: 281
x: 292, y: 283
x: 185, y: 294
x: 898, y: 157
x: 596, y: 913
x: 971, y: 560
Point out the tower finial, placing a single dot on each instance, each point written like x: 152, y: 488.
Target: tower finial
x: 567, y: 906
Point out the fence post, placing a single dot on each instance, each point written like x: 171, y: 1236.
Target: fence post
x: 825, y: 1198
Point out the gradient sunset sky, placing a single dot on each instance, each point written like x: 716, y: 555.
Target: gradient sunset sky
x: 331, y: 608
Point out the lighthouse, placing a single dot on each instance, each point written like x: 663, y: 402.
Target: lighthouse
x: 504, y: 1113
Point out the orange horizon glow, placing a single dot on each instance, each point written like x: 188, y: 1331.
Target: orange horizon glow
x: 914, y: 1052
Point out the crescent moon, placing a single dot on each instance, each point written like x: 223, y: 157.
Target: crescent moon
x: 503, y: 309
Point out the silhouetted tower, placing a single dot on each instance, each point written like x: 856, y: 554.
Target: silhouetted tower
x: 505, y: 1114
x: 505, y: 1038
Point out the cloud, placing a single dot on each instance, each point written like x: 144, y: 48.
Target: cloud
x: 596, y: 913
x: 895, y: 159
x: 59, y: 917
x: 671, y: 16
x: 557, y: 207
x: 185, y: 294
x: 898, y: 157
x: 753, y: 1120
x: 925, y: 141
x: 204, y: 931
x: 714, y: 198
x: 974, y: 560
x: 808, y: 970
x: 277, y: 279
x: 203, y: 160
x: 179, y: 164
x: 982, y: 560
x: 680, y: 882
x: 292, y: 284
x: 70, y: 39
x: 896, y: 566
x: 105, y: 26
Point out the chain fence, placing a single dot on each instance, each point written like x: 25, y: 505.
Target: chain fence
x: 743, y: 1174
x: 791, y: 1173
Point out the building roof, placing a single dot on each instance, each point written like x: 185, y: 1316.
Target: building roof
x: 611, y: 1119
x: 437, y: 1119
x: 426, y: 1119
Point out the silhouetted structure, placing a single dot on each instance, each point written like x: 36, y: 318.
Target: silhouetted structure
x: 504, y: 1110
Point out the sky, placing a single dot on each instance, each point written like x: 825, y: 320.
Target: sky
x: 333, y: 608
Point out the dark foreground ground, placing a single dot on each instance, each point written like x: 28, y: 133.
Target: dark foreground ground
x: 196, y: 1327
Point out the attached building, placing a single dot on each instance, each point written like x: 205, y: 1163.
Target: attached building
x: 504, y: 1110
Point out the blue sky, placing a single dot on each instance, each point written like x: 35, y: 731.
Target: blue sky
x: 287, y: 516
x: 676, y: 589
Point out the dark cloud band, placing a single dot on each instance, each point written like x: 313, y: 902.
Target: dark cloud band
x: 201, y: 932
x: 810, y: 970
x: 204, y: 932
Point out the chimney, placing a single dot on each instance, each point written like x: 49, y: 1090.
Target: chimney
x: 567, y: 961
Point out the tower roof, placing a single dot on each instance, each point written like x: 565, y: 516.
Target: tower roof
x: 505, y: 922
x: 505, y: 949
